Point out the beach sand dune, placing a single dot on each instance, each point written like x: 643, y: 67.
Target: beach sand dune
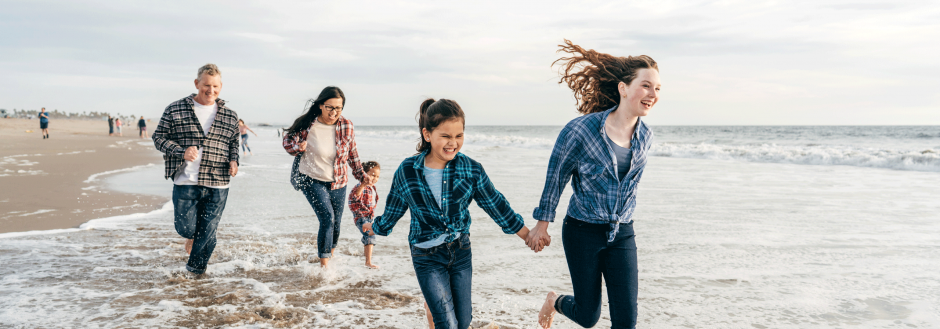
x: 55, y: 183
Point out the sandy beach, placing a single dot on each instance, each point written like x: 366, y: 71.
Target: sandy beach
x: 55, y: 183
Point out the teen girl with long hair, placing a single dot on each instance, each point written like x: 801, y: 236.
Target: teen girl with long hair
x: 603, y: 153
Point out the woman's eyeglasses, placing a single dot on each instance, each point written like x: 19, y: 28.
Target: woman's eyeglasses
x: 332, y: 109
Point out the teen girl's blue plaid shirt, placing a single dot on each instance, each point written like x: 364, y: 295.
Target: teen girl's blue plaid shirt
x: 582, y: 154
x: 464, y: 180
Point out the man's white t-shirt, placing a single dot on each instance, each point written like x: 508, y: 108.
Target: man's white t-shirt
x: 206, y: 116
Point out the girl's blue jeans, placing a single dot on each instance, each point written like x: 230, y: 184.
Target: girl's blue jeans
x: 444, y: 273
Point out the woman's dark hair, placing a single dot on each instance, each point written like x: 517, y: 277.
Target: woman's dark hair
x: 368, y: 165
x: 306, y: 119
x: 434, y: 113
x: 594, y: 76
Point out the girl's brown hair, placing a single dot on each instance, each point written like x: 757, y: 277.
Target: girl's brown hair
x: 368, y: 165
x: 434, y: 113
x: 594, y: 76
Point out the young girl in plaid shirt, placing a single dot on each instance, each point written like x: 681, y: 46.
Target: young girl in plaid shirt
x: 362, y: 201
x: 436, y: 186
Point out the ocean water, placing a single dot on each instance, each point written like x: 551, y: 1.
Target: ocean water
x: 737, y: 227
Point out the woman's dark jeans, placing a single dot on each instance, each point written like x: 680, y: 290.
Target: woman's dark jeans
x: 328, y: 205
x: 444, y: 273
x: 589, y: 256
x: 196, y: 214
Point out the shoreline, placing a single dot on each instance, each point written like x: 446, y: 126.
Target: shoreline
x: 58, y: 183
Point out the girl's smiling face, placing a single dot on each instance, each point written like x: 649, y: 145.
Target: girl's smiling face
x: 445, y: 140
x: 640, y: 95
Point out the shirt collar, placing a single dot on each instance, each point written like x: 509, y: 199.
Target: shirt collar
x: 419, y: 160
x: 190, y: 100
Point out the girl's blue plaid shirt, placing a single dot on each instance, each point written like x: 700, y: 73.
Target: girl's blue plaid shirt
x: 582, y: 155
x: 464, y: 180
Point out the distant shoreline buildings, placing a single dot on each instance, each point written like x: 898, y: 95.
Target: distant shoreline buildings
x: 56, y: 114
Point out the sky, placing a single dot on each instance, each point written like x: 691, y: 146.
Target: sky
x: 721, y: 62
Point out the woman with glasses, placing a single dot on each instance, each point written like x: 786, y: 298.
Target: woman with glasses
x: 323, y: 144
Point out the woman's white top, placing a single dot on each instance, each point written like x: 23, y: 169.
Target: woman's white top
x: 317, y: 161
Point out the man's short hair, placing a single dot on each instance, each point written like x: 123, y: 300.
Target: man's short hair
x: 209, y: 69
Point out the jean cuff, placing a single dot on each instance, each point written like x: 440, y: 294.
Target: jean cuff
x: 327, y: 255
x: 557, y: 303
x: 195, y: 271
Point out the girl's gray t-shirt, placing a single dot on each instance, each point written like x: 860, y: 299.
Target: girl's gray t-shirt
x: 624, y: 156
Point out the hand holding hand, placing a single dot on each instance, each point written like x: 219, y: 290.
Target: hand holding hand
x: 190, y: 154
x: 233, y: 168
x: 367, y: 228
x: 302, y: 146
x: 538, y: 237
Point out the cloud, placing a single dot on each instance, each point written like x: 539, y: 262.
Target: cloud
x: 740, y: 62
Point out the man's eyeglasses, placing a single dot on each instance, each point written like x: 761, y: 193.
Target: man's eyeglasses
x: 331, y: 108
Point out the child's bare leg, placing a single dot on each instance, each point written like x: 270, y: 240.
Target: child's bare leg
x: 189, y: 246
x: 427, y: 312
x: 367, y: 250
x: 547, y: 314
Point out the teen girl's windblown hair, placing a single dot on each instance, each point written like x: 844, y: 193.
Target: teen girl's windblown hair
x: 434, y: 113
x: 306, y: 119
x: 594, y: 76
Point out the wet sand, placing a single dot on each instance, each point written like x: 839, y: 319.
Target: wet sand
x: 49, y: 183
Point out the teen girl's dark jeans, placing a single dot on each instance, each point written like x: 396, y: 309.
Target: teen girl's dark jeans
x: 196, y: 214
x: 444, y: 273
x: 328, y: 205
x: 589, y: 257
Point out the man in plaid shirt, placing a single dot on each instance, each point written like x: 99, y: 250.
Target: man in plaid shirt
x: 198, y: 136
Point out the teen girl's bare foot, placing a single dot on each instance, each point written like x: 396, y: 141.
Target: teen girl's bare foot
x: 189, y: 246
x: 547, y: 314
x: 370, y: 265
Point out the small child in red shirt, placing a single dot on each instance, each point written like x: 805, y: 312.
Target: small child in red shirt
x: 362, y: 201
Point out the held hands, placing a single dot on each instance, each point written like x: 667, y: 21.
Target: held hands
x: 367, y: 228
x: 368, y: 180
x: 302, y: 146
x: 538, y: 238
x: 190, y: 154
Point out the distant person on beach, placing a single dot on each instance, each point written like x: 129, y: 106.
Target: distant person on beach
x: 142, y: 127
x: 243, y: 130
x: 440, y: 229
x: 604, y: 153
x: 323, y: 144
x: 362, y: 201
x: 44, y: 123
x: 110, y: 126
x: 198, y: 136
x: 117, y: 127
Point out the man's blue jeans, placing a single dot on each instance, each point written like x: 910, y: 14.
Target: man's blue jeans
x: 589, y: 257
x: 444, y: 273
x: 196, y: 214
x: 328, y: 205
